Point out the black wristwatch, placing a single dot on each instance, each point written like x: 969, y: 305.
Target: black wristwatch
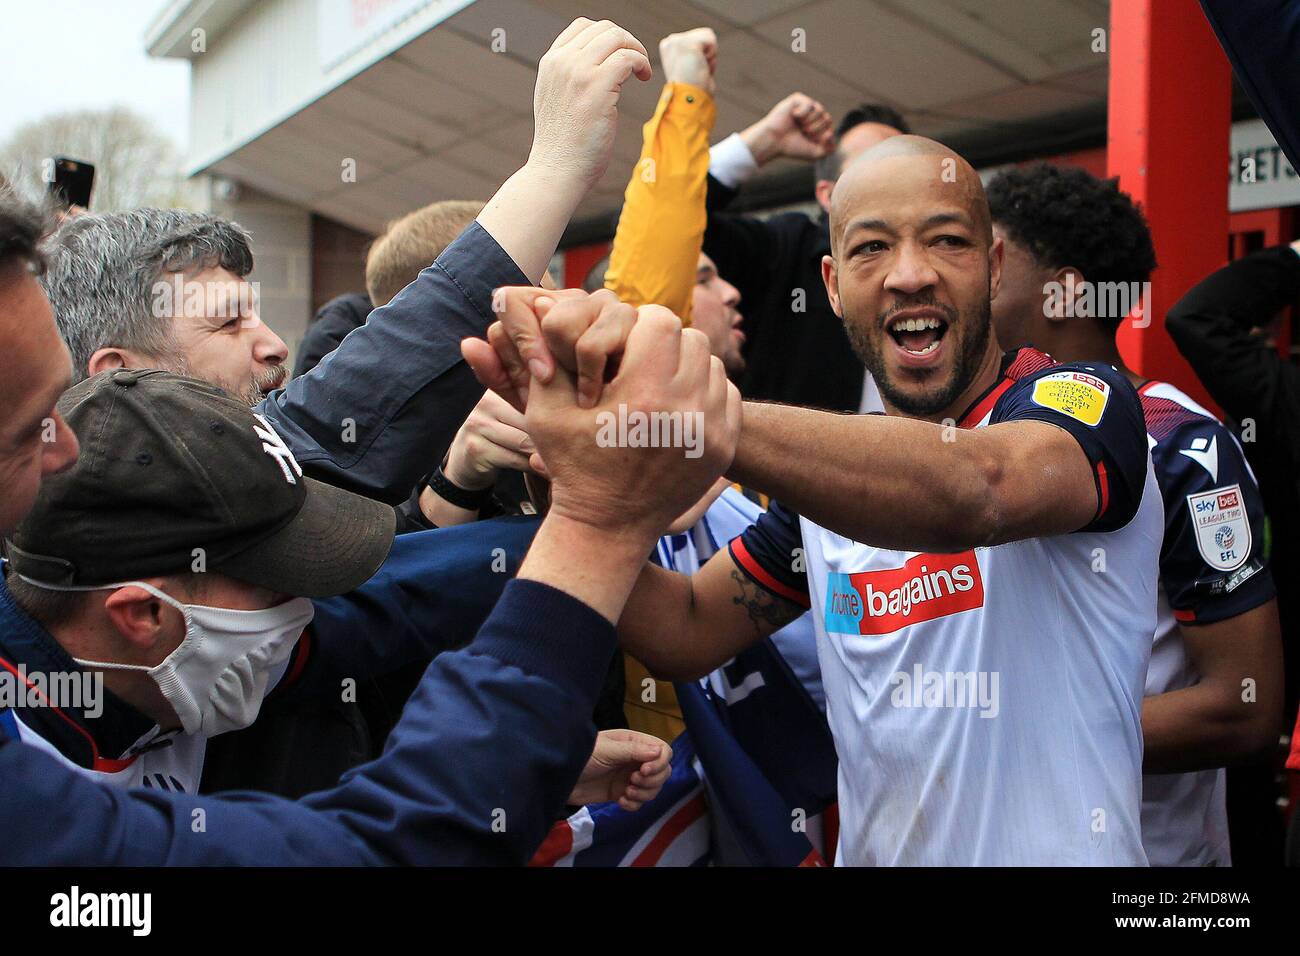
x: 456, y: 495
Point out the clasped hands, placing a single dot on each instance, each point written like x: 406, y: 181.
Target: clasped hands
x: 587, y: 368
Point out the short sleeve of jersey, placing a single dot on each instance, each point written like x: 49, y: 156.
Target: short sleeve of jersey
x: 1101, y: 409
x: 1212, y: 560
x: 770, y: 553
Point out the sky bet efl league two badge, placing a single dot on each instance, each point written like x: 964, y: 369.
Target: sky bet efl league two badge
x: 1077, y: 394
x: 1222, y: 527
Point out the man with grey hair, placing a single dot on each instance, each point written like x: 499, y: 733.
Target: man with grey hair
x: 531, y: 676
x: 169, y: 288
x: 166, y: 287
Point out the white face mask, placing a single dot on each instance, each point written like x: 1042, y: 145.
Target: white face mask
x: 216, y: 678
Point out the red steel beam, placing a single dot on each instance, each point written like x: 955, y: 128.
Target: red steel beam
x: 1169, y: 119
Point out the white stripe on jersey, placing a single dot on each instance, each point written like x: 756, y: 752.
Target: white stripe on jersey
x: 651, y: 834
x: 180, y: 763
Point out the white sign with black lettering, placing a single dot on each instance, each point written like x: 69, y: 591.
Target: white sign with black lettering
x: 1259, y: 176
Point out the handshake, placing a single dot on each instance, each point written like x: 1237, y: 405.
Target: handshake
x: 633, y: 419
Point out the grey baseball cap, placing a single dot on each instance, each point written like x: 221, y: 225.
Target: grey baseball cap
x: 172, y: 469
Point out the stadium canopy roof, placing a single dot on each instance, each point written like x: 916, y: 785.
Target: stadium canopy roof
x: 285, y: 92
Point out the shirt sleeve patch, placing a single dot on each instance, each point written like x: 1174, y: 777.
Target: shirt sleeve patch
x: 1081, y: 396
x: 1222, y: 527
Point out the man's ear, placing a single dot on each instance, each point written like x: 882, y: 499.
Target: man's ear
x: 997, y: 257
x: 830, y: 278
x: 106, y: 359
x: 1071, y: 282
x: 823, y: 192
x: 143, y: 622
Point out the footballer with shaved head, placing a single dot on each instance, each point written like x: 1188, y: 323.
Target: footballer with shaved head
x: 980, y: 560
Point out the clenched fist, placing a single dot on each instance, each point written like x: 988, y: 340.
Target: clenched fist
x: 690, y: 57
x: 798, y: 127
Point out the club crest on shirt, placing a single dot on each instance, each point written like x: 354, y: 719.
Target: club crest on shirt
x: 1222, y: 527
x: 928, y: 586
x: 1077, y: 394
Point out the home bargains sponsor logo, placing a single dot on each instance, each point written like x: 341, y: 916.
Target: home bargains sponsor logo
x: 928, y: 586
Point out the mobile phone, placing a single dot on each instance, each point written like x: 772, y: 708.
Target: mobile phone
x: 72, y: 181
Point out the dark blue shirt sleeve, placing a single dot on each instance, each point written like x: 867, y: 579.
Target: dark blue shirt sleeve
x: 479, y: 767
x: 1262, y: 38
x: 378, y: 412
x: 1212, y: 559
x: 770, y: 553
x: 432, y: 594
x: 330, y: 326
x: 1101, y: 409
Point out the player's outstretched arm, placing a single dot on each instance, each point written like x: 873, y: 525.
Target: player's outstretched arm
x: 683, y: 626
x: 1041, y: 469
x: 916, y: 486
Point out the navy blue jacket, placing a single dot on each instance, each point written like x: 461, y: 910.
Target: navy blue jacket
x: 1262, y: 39
x: 796, y: 357
x: 330, y: 326
x: 480, y: 765
x: 375, y: 411
x: 433, y: 592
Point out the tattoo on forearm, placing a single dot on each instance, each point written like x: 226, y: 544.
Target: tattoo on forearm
x: 766, y: 611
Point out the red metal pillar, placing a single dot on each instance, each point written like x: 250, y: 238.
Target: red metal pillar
x: 578, y: 261
x: 1169, y: 118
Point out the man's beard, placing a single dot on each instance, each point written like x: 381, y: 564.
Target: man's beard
x: 251, y: 395
x: 974, y: 344
x: 264, y: 382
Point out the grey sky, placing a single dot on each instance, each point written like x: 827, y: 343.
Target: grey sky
x: 85, y: 54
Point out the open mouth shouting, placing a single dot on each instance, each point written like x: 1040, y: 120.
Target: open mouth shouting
x: 918, y: 334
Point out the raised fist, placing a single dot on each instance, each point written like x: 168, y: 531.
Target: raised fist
x: 690, y: 57
x: 798, y: 127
